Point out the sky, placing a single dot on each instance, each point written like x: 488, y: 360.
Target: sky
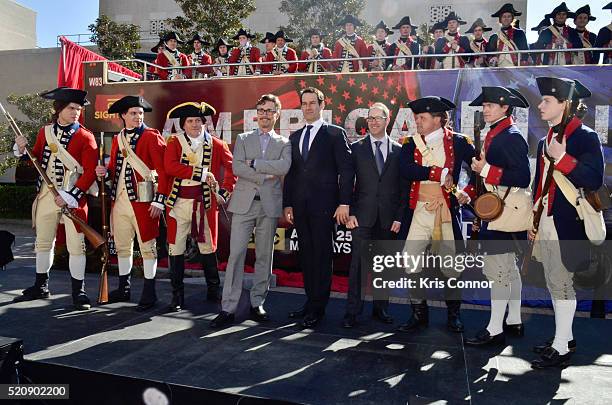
x: 52, y: 21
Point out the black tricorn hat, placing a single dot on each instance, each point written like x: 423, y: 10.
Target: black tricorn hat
x: 172, y: 35
x: 268, y: 38
x: 502, y: 96
x: 430, y: 104
x: 506, y: 8
x: 123, y: 104
x: 607, y: 6
x: 404, y: 21
x: 542, y: 24
x: 350, y: 19
x: 281, y: 34
x: 222, y: 41
x: 156, y: 47
x: 67, y: 94
x: 197, y: 37
x: 191, y: 109
x: 437, y: 26
x: 453, y: 16
x: 316, y: 31
x: 561, y: 8
x: 562, y: 87
x: 582, y: 10
x: 381, y: 25
x: 241, y: 31
x: 478, y: 23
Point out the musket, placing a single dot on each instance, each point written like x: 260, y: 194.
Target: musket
x: 103, y: 283
x: 537, y: 216
x: 92, y: 236
x: 479, y: 124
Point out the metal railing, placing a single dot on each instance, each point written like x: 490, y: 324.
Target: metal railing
x: 414, y: 61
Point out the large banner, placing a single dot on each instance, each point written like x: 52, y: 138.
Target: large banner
x: 347, y: 98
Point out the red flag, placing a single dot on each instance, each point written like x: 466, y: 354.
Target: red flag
x: 70, y: 69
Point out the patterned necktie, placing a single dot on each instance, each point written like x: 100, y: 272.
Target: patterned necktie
x: 380, y: 161
x: 306, y: 143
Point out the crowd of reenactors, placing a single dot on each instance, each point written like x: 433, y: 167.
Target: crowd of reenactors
x: 452, y: 47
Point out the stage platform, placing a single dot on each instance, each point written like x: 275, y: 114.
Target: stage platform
x: 371, y: 364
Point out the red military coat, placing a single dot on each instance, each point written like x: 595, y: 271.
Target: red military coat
x: 221, y: 157
x: 150, y: 148
x: 254, y: 57
x: 163, y: 61
x: 360, y: 46
x: 324, y: 53
x: 290, y: 55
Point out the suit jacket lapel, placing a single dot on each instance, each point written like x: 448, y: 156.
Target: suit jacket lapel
x: 390, y: 154
x: 271, y: 144
x: 317, y: 140
x: 254, y: 143
x: 295, y: 143
x: 368, y: 152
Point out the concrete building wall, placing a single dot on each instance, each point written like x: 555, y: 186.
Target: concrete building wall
x: 26, y: 71
x: 17, y: 26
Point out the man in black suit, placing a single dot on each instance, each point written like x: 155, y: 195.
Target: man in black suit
x: 376, y: 209
x: 317, y: 190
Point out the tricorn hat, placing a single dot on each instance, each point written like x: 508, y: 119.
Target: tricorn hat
x: 561, y: 88
x: 67, y: 94
x: 241, y: 31
x: 191, y: 109
x: 123, y: 104
x: 430, y: 104
x: 506, y: 8
x: 172, y: 35
x: 281, y: 34
x: 404, y: 21
x: 453, y: 16
x: 350, y: 19
x: 582, y: 10
x: 197, y: 37
x: 561, y: 8
x: 478, y: 23
x: 502, y: 96
x: 381, y: 25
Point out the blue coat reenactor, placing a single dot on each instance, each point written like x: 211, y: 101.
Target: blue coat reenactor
x: 604, y: 39
x: 431, y: 161
x: 504, y: 168
x: 581, y: 18
x: 561, y: 242
x: 453, y: 42
x: 509, y: 38
x: 558, y: 36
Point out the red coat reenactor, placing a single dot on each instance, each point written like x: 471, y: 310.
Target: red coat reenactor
x: 283, y: 54
x: 478, y: 43
x: 68, y: 154
x: 244, y: 54
x: 380, y: 47
x: 404, y: 46
x: 317, y: 51
x: 269, y: 42
x: 199, y: 58
x: 170, y: 56
x: 350, y: 46
x: 193, y: 161
x: 222, y: 48
x: 137, y: 156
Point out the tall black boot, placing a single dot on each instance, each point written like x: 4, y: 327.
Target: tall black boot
x: 79, y: 297
x: 419, y: 318
x: 148, y: 297
x: 123, y: 291
x: 40, y: 289
x: 454, y: 323
x: 211, y: 272
x: 177, y: 273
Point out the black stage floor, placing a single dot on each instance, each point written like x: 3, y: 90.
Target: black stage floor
x: 371, y: 364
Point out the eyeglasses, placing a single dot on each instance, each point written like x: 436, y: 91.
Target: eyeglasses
x: 377, y: 119
x: 262, y: 111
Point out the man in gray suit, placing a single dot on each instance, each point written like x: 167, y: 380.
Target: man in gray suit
x: 377, y: 208
x: 261, y: 158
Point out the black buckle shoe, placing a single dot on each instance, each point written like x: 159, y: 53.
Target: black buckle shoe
x: 123, y: 291
x: 484, y: 338
x: 382, y: 315
x: 349, y: 321
x: 571, y: 346
x: 517, y: 330
x: 259, y: 314
x: 149, y: 297
x: 311, y: 320
x: 551, y: 358
x: 222, y: 320
x: 32, y: 293
x: 418, y: 320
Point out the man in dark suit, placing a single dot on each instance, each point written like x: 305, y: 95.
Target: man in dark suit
x: 376, y: 209
x: 317, y: 190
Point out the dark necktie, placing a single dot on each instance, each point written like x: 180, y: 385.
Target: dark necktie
x: 380, y: 161
x: 306, y: 143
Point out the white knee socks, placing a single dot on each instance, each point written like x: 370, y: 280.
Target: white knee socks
x: 514, y: 305
x: 150, y: 268
x: 77, y: 266
x: 44, y: 260
x: 125, y: 265
x: 499, y: 299
x: 564, y: 317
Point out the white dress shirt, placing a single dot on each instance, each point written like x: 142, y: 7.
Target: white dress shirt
x: 313, y: 132
x: 384, y: 146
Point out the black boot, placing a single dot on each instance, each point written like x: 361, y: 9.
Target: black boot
x: 39, y: 290
x: 122, y: 293
x: 148, y: 297
x: 177, y: 272
x: 419, y: 318
x: 79, y: 297
x: 211, y: 272
x: 454, y: 323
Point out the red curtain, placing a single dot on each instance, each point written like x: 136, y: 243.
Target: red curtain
x: 70, y: 69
